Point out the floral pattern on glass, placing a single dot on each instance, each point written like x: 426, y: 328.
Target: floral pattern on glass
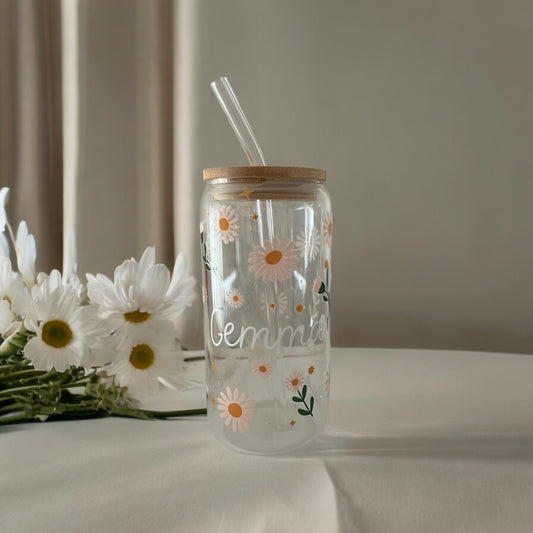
x: 235, y: 409
x: 227, y: 227
x: 275, y: 261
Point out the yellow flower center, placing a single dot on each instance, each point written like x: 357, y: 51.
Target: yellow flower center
x: 262, y: 369
x: 235, y: 298
x: 273, y: 257
x: 235, y: 410
x: 295, y: 382
x: 135, y: 317
x: 223, y: 224
x: 57, y: 333
x: 142, y: 356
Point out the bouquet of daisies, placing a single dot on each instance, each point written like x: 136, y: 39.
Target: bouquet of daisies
x: 71, y: 350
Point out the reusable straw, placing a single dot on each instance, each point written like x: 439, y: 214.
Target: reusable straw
x: 237, y: 119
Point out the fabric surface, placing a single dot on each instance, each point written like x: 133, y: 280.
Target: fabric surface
x: 416, y: 441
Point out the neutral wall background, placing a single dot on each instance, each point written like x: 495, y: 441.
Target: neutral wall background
x: 422, y: 115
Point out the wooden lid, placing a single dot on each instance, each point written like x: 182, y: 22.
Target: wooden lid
x: 264, y: 173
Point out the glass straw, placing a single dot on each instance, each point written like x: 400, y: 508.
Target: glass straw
x: 237, y: 119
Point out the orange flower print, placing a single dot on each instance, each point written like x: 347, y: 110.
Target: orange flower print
x: 275, y: 261
x: 299, y: 308
x: 327, y: 228
x: 311, y: 370
x: 262, y: 368
x: 292, y: 422
x: 235, y: 298
x: 227, y: 227
x: 294, y: 381
x: 235, y: 409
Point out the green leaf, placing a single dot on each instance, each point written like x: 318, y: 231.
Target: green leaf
x: 296, y: 399
x: 303, y: 412
x: 311, y: 404
x: 304, y: 391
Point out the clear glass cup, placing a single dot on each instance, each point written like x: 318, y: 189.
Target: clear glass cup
x: 266, y: 250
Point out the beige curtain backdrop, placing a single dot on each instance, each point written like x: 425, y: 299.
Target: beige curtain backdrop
x: 30, y: 120
x: 124, y: 164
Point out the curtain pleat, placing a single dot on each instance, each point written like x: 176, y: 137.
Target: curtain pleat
x: 154, y: 134
x: 30, y: 121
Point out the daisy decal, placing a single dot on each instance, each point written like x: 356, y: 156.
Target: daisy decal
x: 61, y: 326
x: 327, y: 228
x: 142, y: 293
x: 319, y: 288
x: 275, y: 261
x: 308, y: 244
x: 299, y: 308
x: 262, y: 368
x: 235, y: 299
x: 278, y: 303
x: 235, y: 409
x: 227, y: 228
x: 294, y: 381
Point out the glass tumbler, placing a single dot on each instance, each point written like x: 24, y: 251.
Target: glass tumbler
x: 266, y: 251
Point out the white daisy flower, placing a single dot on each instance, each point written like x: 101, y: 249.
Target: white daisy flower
x: 308, y: 243
x: 140, y: 361
x: 4, y: 245
x: 60, y: 325
x: 6, y: 316
x: 12, y: 288
x: 4, y: 195
x: 26, y: 254
x: 235, y: 298
x: 142, y: 292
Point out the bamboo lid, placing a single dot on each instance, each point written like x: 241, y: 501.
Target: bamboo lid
x: 264, y: 173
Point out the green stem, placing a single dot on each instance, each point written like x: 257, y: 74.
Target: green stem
x: 304, y: 402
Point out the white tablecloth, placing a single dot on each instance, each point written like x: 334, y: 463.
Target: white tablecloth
x: 417, y: 441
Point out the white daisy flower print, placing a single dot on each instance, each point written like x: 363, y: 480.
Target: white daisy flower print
x: 262, y: 368
x: 141, y: 293
x: 235, y: 409
x: 294, y: 381
x: 327, y: 228
x: 276, y: 303
x: 274, y: 261
x: 308, y: 243
x: 226, y: 224
x: 62, y: 327
x: 235, y: 299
